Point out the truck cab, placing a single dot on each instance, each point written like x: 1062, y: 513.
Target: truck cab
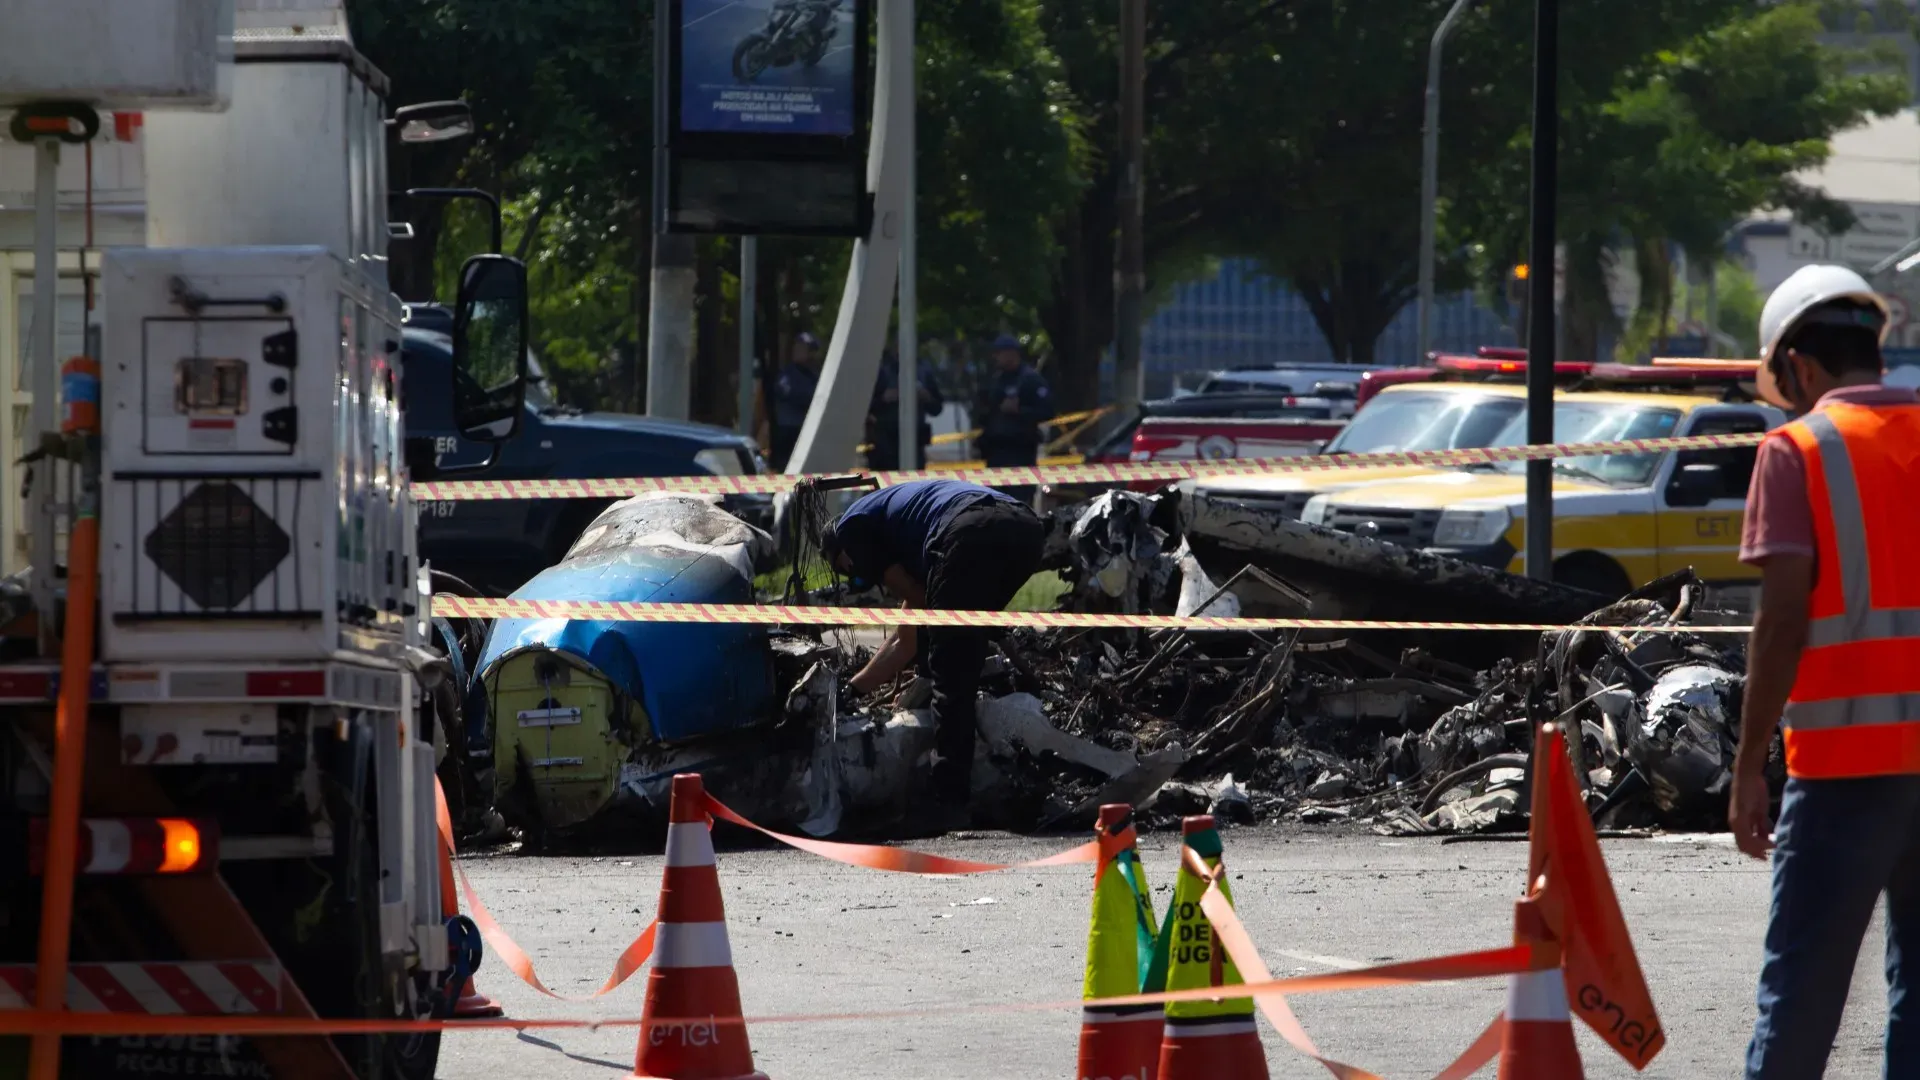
x: 498, y: 545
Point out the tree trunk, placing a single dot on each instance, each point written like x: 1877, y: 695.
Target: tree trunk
x: 712, y: 389
x: 1587, y: 309
x: 1354, y: 307
x: 1079, y: 315
x: 1656, y: 267
x: 766, y: 340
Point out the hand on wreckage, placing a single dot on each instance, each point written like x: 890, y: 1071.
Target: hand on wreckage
x: 908, y: 692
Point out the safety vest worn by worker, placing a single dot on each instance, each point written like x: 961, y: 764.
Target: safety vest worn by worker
x: 1855, y: 706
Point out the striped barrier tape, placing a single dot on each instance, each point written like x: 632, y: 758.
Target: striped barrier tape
x: 464, y: 607
x: 1086, y: 473
x: 948, y: 438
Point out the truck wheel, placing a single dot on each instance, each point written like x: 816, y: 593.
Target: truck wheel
x: 412, y: 1057
x: 1593, y: 572
x: 360, y: 970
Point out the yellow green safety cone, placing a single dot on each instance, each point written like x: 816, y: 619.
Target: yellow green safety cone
x: 1204, y: 1040
x: 1119, y: 1042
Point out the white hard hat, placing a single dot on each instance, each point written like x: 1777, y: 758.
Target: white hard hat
x: 1806, y: 289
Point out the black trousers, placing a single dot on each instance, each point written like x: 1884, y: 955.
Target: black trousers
x: 784, y: 440
x: 1005, y: 457
x: 977, y: 561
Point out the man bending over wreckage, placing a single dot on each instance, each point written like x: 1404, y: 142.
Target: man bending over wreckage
x: 946, y: 545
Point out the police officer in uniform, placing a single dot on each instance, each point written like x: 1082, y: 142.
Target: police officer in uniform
x: 1016, y: 402
x: 793, y: 395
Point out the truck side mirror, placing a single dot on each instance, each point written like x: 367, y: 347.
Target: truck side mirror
x: 1695, y: 485
x: 490, y: 337
x: 433, y: 121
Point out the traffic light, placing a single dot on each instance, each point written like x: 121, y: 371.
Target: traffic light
x: 1517, y: 285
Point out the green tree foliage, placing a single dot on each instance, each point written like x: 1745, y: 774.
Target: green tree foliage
x: 1277, y: 130
x: 1209, y: 127
x: 563, y: 93
x: 1001, y: 154
x: 1291, y: 133
x: 1675, y: 147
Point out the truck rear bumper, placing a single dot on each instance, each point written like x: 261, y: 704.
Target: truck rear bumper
x: 354, y: 685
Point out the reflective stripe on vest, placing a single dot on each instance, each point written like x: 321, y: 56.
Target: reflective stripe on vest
x: 1855, y: 706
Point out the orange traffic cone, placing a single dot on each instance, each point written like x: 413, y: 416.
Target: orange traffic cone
x: 472, y: 1004
x: 1119, y: 1042
x: 1538, y: 1044
x: 1204, y: 1040
x: 691, y: 1027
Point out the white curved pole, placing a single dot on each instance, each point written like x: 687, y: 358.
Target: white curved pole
x: 836, y: 422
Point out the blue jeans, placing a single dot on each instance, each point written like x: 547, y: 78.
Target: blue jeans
x: 1840, y: 844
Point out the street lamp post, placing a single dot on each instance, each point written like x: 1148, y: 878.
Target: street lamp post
x: 1540, y: 314
x: 1430, y: 174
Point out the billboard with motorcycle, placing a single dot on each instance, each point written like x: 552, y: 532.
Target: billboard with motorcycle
x: 768, y: 66
x: 761, y: 118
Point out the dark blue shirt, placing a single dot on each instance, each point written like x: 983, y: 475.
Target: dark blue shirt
x: 793, y: 394
x: 894, y: 524
x: 1013, y: 438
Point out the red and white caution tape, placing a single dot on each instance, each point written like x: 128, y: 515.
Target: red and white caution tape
x: 463, y: 607
x: 192, y: 988
x: 1092, y: 473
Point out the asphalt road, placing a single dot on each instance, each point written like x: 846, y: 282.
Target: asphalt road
x: 810, y: 936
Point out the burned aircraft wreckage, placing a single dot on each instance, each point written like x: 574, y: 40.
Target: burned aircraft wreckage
x: 573, y: 726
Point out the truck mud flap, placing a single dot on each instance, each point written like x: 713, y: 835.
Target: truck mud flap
x: 142, y: 1057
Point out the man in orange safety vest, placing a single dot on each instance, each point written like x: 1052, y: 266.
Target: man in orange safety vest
x: 1832, y: 520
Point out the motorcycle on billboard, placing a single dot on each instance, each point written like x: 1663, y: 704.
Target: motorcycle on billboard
x: 796, y: 32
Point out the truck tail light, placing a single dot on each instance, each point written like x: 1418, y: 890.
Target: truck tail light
x: 1145, y: 446
x: 134, y: 846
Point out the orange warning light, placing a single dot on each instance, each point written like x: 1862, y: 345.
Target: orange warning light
x: 180, y: 850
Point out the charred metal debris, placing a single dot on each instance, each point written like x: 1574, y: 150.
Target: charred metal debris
x: 562, y: 730
x: 1401, y: 732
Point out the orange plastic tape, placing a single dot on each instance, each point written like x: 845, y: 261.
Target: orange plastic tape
x: 904, y: 860
x: 508, y: 951
x: 467, y: 607
x: 1087, y: 473
x: 636, y: 954
x: 1232, y: 936
x: 1476, y: 965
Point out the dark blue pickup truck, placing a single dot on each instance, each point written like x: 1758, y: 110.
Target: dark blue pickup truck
x: 497, y: 545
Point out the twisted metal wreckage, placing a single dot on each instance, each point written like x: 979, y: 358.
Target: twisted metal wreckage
x: 576, y: 727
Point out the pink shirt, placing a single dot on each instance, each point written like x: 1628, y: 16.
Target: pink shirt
x: 1779, y: 520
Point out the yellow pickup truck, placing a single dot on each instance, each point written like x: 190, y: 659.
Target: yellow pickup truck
x: 1619, y: 520
x: 1465, y: 402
